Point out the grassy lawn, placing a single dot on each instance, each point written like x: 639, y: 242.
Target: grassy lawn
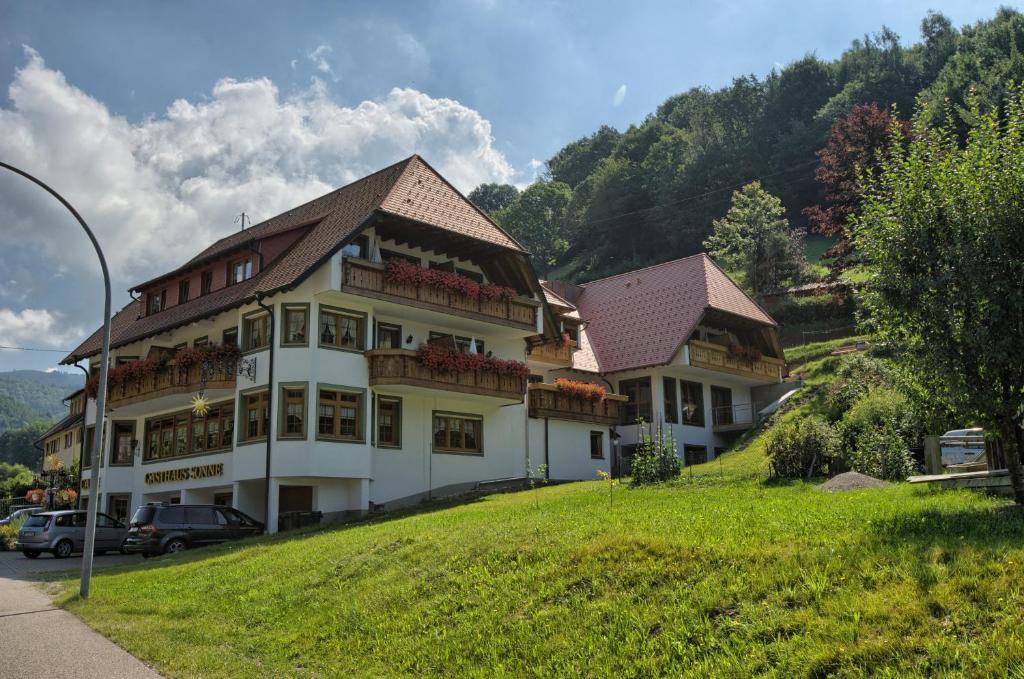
x: 716, y: 574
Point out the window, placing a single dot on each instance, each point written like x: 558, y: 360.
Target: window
x: 462, y: 344
x: 671, y: 399
x: 721, y: 406
x: 534, y: 378
x: 230, y: 337
x: 67, y: 440
x: 389, y: 336
x: 389, y: 422
x: 596, y: 445
x: 256, y: 332
x: 573, y: 331
x: 201, y: 341
x: 694, y: 455
x: 179, y: 347
x: 186, y: 433
x: 296, y: 320
x: 693, y: 403
x: 339, y: 415
x: 117, y: 507
x: 183, y: 292
x: 386, y: 255
x: 443, y: 266
x: 157, y: 301
x: 255, y: 416
x: 470, y: 274
x: 457, y: 434
x: 639, y: 405
x: 121, y: 360
x: 293, y: 412
x: 240, y: 271
x: 123, y: 445
x: 206, y: 283
x: 340, y: 329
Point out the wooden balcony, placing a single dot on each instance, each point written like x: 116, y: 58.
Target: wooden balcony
x: 402, y: 367
x: 715, y: 357
x: 547, y: 400
x: 367, y: 279
x: 172, y: 379
x: 553, y: 353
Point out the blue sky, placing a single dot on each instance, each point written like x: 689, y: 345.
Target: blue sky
x: 140, y: 110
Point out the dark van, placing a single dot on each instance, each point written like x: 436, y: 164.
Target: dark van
x: 164, y: 528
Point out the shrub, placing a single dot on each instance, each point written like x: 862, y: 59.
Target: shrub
x: 854, y: 379
x: 655, y: 459
x: 584, y: 390
x: 882, y: 453
x: 805, y: 446
x: 878, y: 429
x: 9, y: 534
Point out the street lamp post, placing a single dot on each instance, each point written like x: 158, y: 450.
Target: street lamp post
x: 101, y: 393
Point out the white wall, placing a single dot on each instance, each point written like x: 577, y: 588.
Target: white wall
x: 568, y: 449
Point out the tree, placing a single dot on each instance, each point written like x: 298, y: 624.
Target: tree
x: 754, y: 236
x: 13, y: 476
x: 16, y: 445
x: 492, y: 198
x: 854, y: 147
x: 943, y: 234
x: 536, y: 219
x: 577, y: 160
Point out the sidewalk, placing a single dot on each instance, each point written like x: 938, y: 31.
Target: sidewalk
x: 39, y: 640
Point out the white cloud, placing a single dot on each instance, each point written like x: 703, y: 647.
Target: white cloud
x: 319, y: 59
x: 620, y: 95
x: 159, y: 190
x: 34, y: 328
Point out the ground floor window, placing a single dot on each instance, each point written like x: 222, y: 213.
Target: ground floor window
x: 293, y: 412
x: 454, y: 433
x: 119, y: 506
x: 694, y: 455
x: 389, y: 422
x: 123, y: 445
x: 340, y: 414
x: 693, y: 403
x: 186, y: 433
x: 597, y: 445
x: 639, y: 405
x: 255, y: 416
x: 223, y: 499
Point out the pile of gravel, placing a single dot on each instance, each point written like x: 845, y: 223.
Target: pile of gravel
x: 852, y: 481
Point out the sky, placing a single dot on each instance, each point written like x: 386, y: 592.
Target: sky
x: 161, y: 122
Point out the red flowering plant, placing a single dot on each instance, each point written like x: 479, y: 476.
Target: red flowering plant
x: 402, y: 272
x: 445, y: 360
x: 750, y: 354
x: 585, y: 390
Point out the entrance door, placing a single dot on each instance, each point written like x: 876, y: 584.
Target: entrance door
x: 295, y: 499
x: 223, y: 499
x: 721, y: 406
x: 119, y: 506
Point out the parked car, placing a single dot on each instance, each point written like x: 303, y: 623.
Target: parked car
x: 17, y: 512
x: 63, y: 533
x: 159, y: 528
x: 962, y: 446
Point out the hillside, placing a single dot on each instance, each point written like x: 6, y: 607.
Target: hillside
x: 616, y: 200
x: 719, y: 573
x: 28, y: 396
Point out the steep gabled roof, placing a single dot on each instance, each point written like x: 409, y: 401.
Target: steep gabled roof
x: 641, y: 318
x: 66, y: 422
x: 410, y: 189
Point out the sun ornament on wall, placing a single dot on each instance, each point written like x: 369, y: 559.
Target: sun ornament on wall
x: 200, y: 404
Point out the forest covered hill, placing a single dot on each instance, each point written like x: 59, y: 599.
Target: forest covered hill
x: 28, y: 396
x: 618, y: 200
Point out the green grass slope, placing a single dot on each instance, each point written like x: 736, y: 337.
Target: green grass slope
x: 720, y: 573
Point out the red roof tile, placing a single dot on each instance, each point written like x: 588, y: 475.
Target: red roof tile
x: 641, y: 318
x: 410, y: 189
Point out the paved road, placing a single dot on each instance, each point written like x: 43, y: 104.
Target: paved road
x: 39, y: 640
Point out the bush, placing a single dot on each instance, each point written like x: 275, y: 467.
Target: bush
x: 9, y: 534
x: 805, y: 446
x: 831, y: 308
x: 878, y: 429
x: 883, y: 454
x: 854, y: 379
x: 655, y: 459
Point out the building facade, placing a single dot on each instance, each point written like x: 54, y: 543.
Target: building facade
x: 383, y: 344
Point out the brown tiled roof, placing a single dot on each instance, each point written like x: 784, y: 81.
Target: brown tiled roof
x: 410, y: 189
x: 554, y: 299
x: 641, y: 318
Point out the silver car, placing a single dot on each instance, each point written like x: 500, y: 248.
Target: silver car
x: 19, y: 512
x: 63, y: 533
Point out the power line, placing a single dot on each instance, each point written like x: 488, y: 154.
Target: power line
x: 56, y: 351
x: 687, y: 199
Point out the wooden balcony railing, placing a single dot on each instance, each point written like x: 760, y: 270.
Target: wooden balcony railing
x: 715, y: 357
x: 171, y: 379
x: 402, y: 367
x: 547, y: 400
x: 554, y: 353
x: 361, y: 277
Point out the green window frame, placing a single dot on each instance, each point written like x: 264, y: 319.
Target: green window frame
x: 341, y: 329
x: 293, y: 411
x: 340, y: 413
x: 253, y: 415
x: 457, y: 433
x: 294, y: 325
x: 255, y: 331
x: 388, y: 421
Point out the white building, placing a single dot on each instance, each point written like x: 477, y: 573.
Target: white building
x: 373, y: 348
